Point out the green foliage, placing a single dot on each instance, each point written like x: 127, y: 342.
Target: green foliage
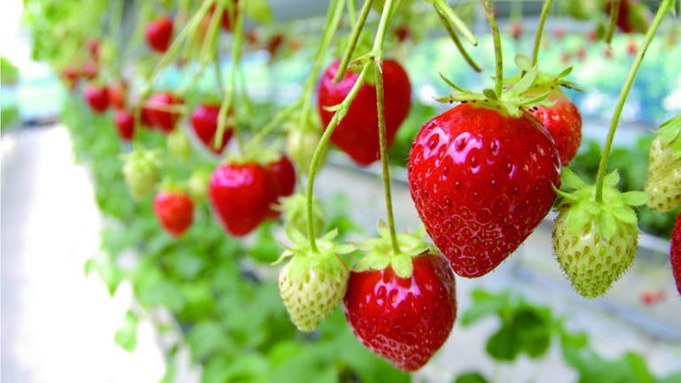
x: 126, y: 336
x: 470, y: 377
x: 9, y: 73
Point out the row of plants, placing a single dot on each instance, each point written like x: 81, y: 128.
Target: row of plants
x: 212, y: 195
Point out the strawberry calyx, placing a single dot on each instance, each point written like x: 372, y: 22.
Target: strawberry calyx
x: 512, y: 101
x: 304, y: 258
x: 544, y: 82
x: 259, y: 154
x: 380, y: 253
x: 614, y: 208
x: 670, y: 135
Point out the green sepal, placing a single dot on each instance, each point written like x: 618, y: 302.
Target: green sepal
x: 380, y: 253
x: 670, y: 134
x: 569, y: 178
x: 326, y: 254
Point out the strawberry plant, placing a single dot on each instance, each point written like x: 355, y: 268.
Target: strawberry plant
x: 372, y: 306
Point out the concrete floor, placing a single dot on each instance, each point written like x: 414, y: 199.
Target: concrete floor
x: 58, y: 324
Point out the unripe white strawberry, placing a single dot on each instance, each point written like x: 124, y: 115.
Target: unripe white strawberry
x: 595, y: 240
x: 664, y: 177
x: 313, y: 283
x: 141, y: 172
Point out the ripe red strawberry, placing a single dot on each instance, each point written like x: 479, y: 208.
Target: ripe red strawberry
x: 675, y: 253
x: 404, y: 320
x: 663, y: 183
x: 159, y: 33
x: 118, y: 94
x: 125, y: 124
x: 633, y: 16
x: 482, y: 181
x: 228, y: 16
x: 71, y: 76
x: 516, y: 29
x: 563, y: 121
x: 89, y: 70
x: 595, y: 241
x: 175, y: 211
x: 204, y: 122
x: 94, y: 48
x: 357, y: 132
x: 241, y: 196
x: 159, y: 111
x: 97, y: 97
x: 284, y: 175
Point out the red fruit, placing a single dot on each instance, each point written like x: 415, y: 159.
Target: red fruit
x: 159, y: 111
x: 94, y: 47
x: 89, y: 70
x: 204, y: 121
x: 481, y: 182
x: 284, y: 174
x: 252, y: 36
x: 175, y: 211
x: 404, y: 320
x: 97, y: 97
x: 71, y: 76
x: 632, y: 17
x: 118, y: 93
x: 227, y: 15
x: 125, y: 124
x: 516, y: 29
x: 563, y: 121
x: 159, y: 33
x: 402, y: 33
x: 675, y: 253
x: 357, y: 132
x: 632, y: 47
x: 241, y: 196
x: 274, y: 44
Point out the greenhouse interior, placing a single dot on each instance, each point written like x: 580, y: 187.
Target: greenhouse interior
x: 427, y: 191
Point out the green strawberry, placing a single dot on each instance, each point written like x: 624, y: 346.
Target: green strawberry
x: 664, y: 170
x: 141, y: 172
x: 179, y: 144
x: 595, y: 240
x: 313, y: 283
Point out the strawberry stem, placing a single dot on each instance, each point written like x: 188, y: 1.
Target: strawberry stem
x: 452, y: 34
x: 612, y: 23
x: 602, y: 166
x: 383, y: 141
x: 350, y: 48
x: 229, y: 98
x: 443, y: 7
x: 540, y: 30
x: 332, y: 21
x: 319, y: 150
x: 498, y: 57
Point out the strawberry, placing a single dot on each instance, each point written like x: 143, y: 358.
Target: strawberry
x: 482, y: 180
x: 301, y: 143
x: 97, y: 98
x: 125, y: 124
x: 312, y: 283
x: 663, y: 184
x: 118, y: 94
x: 94, y: 47
x: 159, y: 33
x: 284, y: 175
x: 632, y: 17
x: 357, y: 133
x: 159, y: 111
x: 675, y: 253
x: 563, y: 120
x: 595, y: 240
x: 141, y: 172
x: 241, y: 195
x: 204, y: 122
x: 89, y: 70
x: 174, y: 210
x: 179, y: 144
x: 403, y: 319
x: 71, y: 76
x: 228, y: 15
x: 515, y: 29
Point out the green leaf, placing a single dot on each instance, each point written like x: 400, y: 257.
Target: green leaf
x: 485, y: 304
x: 502, y: 345
x: 470, y: 377
x: 126, y: 335
x: 208, y: 338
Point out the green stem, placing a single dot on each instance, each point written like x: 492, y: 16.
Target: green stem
x: 229, y: 93
x: 443, y: 7
x: 612, y: 23
x: 540, y: 30
x: 602, y: 166
x: 280, y: 117
x: 352, y: 12
x: 457, y: 41
x: 380, y: 103
x: 349, y: 50
x: 321, y: 147
x: 498, y: 56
